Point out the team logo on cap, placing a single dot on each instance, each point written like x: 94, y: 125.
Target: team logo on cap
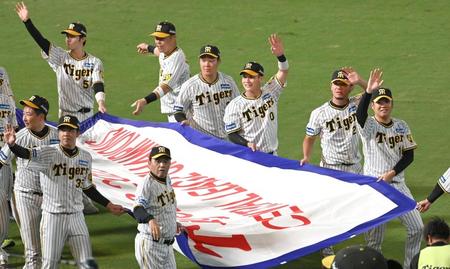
x: 208, y: 49
x: 161, y: 149
x: 341, y: 74
x: 71, y: 26
x: 67, y: 119
x: 248, y: 65
x: 158, y: 28
x: 382, y: 91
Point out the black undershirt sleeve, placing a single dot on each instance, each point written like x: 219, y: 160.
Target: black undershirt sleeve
x: 407, y: 159
x: 141, y: 215
x: 37, y: 36
x: 436, y: 193
x: 99, y: 87
x: 180, y: 116
x: 20, y: 151
x: 95, y: 195
x: 237, y: 139
x: 361, y: 112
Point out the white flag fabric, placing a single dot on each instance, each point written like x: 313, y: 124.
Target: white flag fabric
x: 241, y: 209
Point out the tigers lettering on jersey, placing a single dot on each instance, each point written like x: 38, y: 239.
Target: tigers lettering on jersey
x: 337, y: 123
x: 1, y: 81
x: 260, y: 111
x: 61, y: 169
x: 205, y: 98
x: 5, y: 111
x: 77, y: 74
x: 166, y: 198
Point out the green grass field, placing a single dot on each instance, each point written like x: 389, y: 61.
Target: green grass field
x: 410, y: 40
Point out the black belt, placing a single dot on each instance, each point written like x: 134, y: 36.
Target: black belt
x: 165, y: 242
x: 84, y: 110
x: 33, y: 192
x: 347, y: 164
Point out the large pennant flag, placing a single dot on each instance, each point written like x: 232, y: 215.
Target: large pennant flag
x: 241, y: 209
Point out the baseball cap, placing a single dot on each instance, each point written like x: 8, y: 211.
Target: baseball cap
x: 76, y: 29
x: 340, y: 75
x: 381, y: 93
x: 356, y: 257
x: 159, y: 151
x: 253, y: 69
x: 69, y: 120
x: 36, y: 102
x: 164, y: 29
x: 210, y: 50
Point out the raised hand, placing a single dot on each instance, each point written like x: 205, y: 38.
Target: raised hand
x: 375, y: 80
x: 9, y: 135
x: 353, y: 76
x: 276, y: 45
x: 22, y: 11
x: 142, y: 48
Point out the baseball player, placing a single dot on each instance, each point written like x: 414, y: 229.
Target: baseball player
x: 7, y: 116
x: 155, y: 210
x: 174, y: 69
x: 206, y: 94
x: 334, y: 123
x: 27, y: 189
x: 251, y: 119
x: 67, y: 171
x: 442, y: 185
x: 388, y: 148
x: 79, y: 74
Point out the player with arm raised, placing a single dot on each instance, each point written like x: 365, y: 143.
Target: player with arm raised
x: 68, y: 173
x: 174, y: 70
x: 27, y: 188
x: 79, y: 74
x: 251, y: 119
x: 388, y: 148
x: 206, y: 95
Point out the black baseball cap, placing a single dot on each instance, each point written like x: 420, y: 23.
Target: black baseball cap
x: 253, y: 69
x: 164, y: 29
x: 159, y: 151
x: 76, y: 29
x: 36, y: 102
x: 70, y: 121
x: 381, y: 93
x: 340, y: 75
x: 209, y: 50
x: 356, y: 257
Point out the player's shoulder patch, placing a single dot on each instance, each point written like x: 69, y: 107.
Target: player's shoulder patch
x: 88, y: 65
x: 352, y: 108
x: 230, y: 126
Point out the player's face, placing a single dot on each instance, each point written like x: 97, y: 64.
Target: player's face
x: 382, y: 108
x: 74, y: 42
x: 160, y: 167
x: 68, y: 136
x: 166, y: 45
x: 251, y: 83
x: 340, y: 90
x: 209, y: 66
x: 32, y: 120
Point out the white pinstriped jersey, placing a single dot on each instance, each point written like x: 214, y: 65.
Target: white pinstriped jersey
x: 75, y: 78
x: 444, y: 181
x: 256, y: 120
x: 7, y: 114
x: 5, y: 87
x: 65, y: 179
x: 207, y: 102
x: 158, y: 198
x: 26, y: 179
x: 174, y: 71
x: 383, y: 146
x: 337, y: 129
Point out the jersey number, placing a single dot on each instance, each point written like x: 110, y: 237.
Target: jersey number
x: 271, y: 116
x: 85, y: 84
x: 78, y: 183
